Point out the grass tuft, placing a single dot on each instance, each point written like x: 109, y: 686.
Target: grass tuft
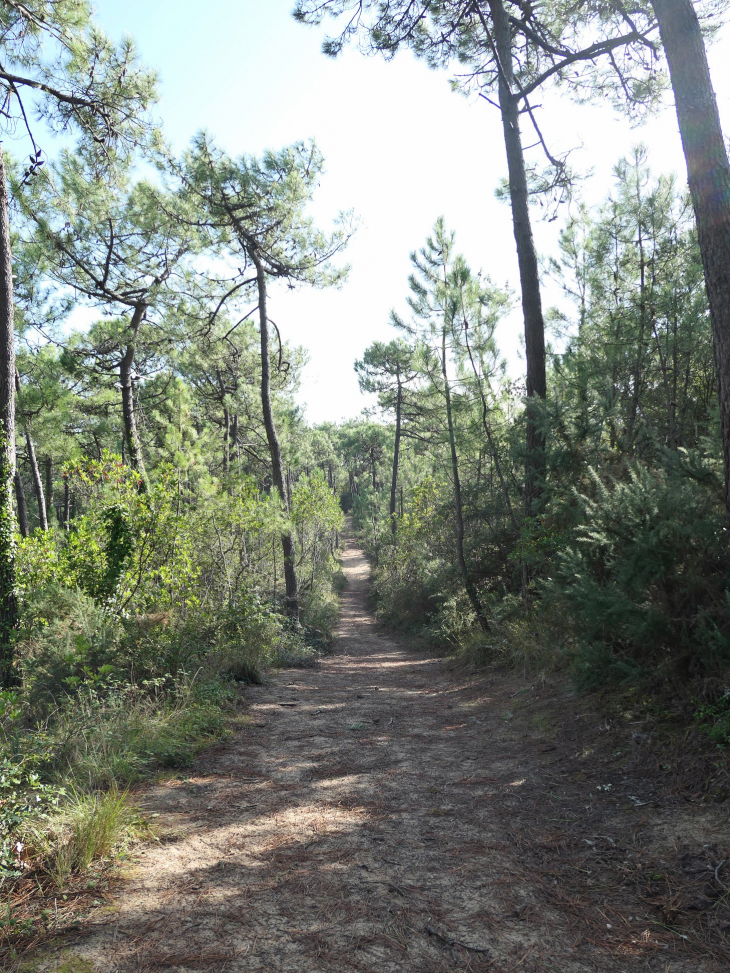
x: 89, y: 828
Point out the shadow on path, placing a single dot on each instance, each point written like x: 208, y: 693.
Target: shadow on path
x: 362, y: 822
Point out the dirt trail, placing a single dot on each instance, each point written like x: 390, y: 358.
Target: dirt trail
x: 388, y: 812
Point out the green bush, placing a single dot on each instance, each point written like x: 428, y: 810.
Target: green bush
x: 67, y: 640
x: 714, y: 719
x: 118, y: 736
x: 645, y: 575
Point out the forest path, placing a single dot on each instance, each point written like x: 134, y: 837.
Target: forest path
x: 382, y: 812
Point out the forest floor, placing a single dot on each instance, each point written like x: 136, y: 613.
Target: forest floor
x: 388, y: 811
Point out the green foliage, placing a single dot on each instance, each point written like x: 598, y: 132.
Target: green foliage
x: 624, y: 567
x: 24, y: 798
x: 714, y: 719
x: 645, y: 571
x: 595, y: 664
x: 85, y: 829
x: 8, y: 572
x: 68, y: 641
x: 123, y: 736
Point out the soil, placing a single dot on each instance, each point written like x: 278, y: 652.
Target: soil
x: 389, y: 811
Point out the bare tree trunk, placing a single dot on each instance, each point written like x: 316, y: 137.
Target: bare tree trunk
x: 37, y: 481
x: 708, y: 172
x: 234, y: 437
x: 49, y: 488
x: 22, y: 504
x: 277, y: 467
x: 66, y: 505
x: 126, y: 364
x: 536, y: 379
x: 226, y: 442
x: 34, y: 468
x: 8, y: 603
x: 469, y: 585
x: 396, y: 456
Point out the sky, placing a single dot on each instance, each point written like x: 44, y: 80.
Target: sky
x: 401, y: 149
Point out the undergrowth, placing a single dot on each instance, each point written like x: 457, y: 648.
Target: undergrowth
x: 107, y: 702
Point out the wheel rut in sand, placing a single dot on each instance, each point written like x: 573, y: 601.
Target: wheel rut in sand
x: 369, y: 818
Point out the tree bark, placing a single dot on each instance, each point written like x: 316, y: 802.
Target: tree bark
x: 34, y: 468
x: 66, y: 505
x: 226, y: 442
x: 708, y: 175
x: 49, y: 488
x: 37, y: 481
x: 126, y: 364
x: 469, y: 585
x: 22, y: 504
x: 234, y: 438
x: 396, y: 456
x: 8, y: 601
x: 536, y: 380
x: 277, y: 467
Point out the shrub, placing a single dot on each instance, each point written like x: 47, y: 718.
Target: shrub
x: 124, y: 735
x: 67, y: 640
x: 645, y: 574
x: 714, y: 719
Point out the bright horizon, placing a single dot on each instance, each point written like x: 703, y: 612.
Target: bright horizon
x: 401, y: 149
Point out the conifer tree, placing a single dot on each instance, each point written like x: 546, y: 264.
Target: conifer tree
x: 510, y: 50
x: 119, y: 246
x: 444, y: 305
x: 708, y: 173
x: 388, y: 370
x: 254, y: 211
x: 65, y: 70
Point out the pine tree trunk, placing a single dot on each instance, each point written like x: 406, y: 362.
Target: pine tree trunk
x: 708, y: 173
x: 8, y: 603
x: 226, y: 443
x: 277, y: 467
x: 34, y: 468
x: 234, y: 438
x: 37, y: 481
x: 66, y: 505
x: 49, y: 488
x: 22, y: 504
x: 396, y: 457
x: 126, y: 364
x: 469, y: 585
x: 536, y: 379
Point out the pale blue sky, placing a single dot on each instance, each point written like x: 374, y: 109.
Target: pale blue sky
x: 401, y: 149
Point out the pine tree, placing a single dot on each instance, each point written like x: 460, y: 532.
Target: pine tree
x: 76, y: 80
x: 254, y: 211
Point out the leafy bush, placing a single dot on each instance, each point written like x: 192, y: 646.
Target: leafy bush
x: 714, y: 719
x: 646, y: 572
x: 595, y: 664
x: 129, y: 550
x: 67, y: 640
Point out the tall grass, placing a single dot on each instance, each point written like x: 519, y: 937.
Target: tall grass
x: 124, y: 736
x: 89, y: 828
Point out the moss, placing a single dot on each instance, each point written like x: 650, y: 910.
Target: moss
x: 69, y: 963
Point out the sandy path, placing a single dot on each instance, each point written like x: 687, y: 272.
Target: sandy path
x: 364, y: 822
